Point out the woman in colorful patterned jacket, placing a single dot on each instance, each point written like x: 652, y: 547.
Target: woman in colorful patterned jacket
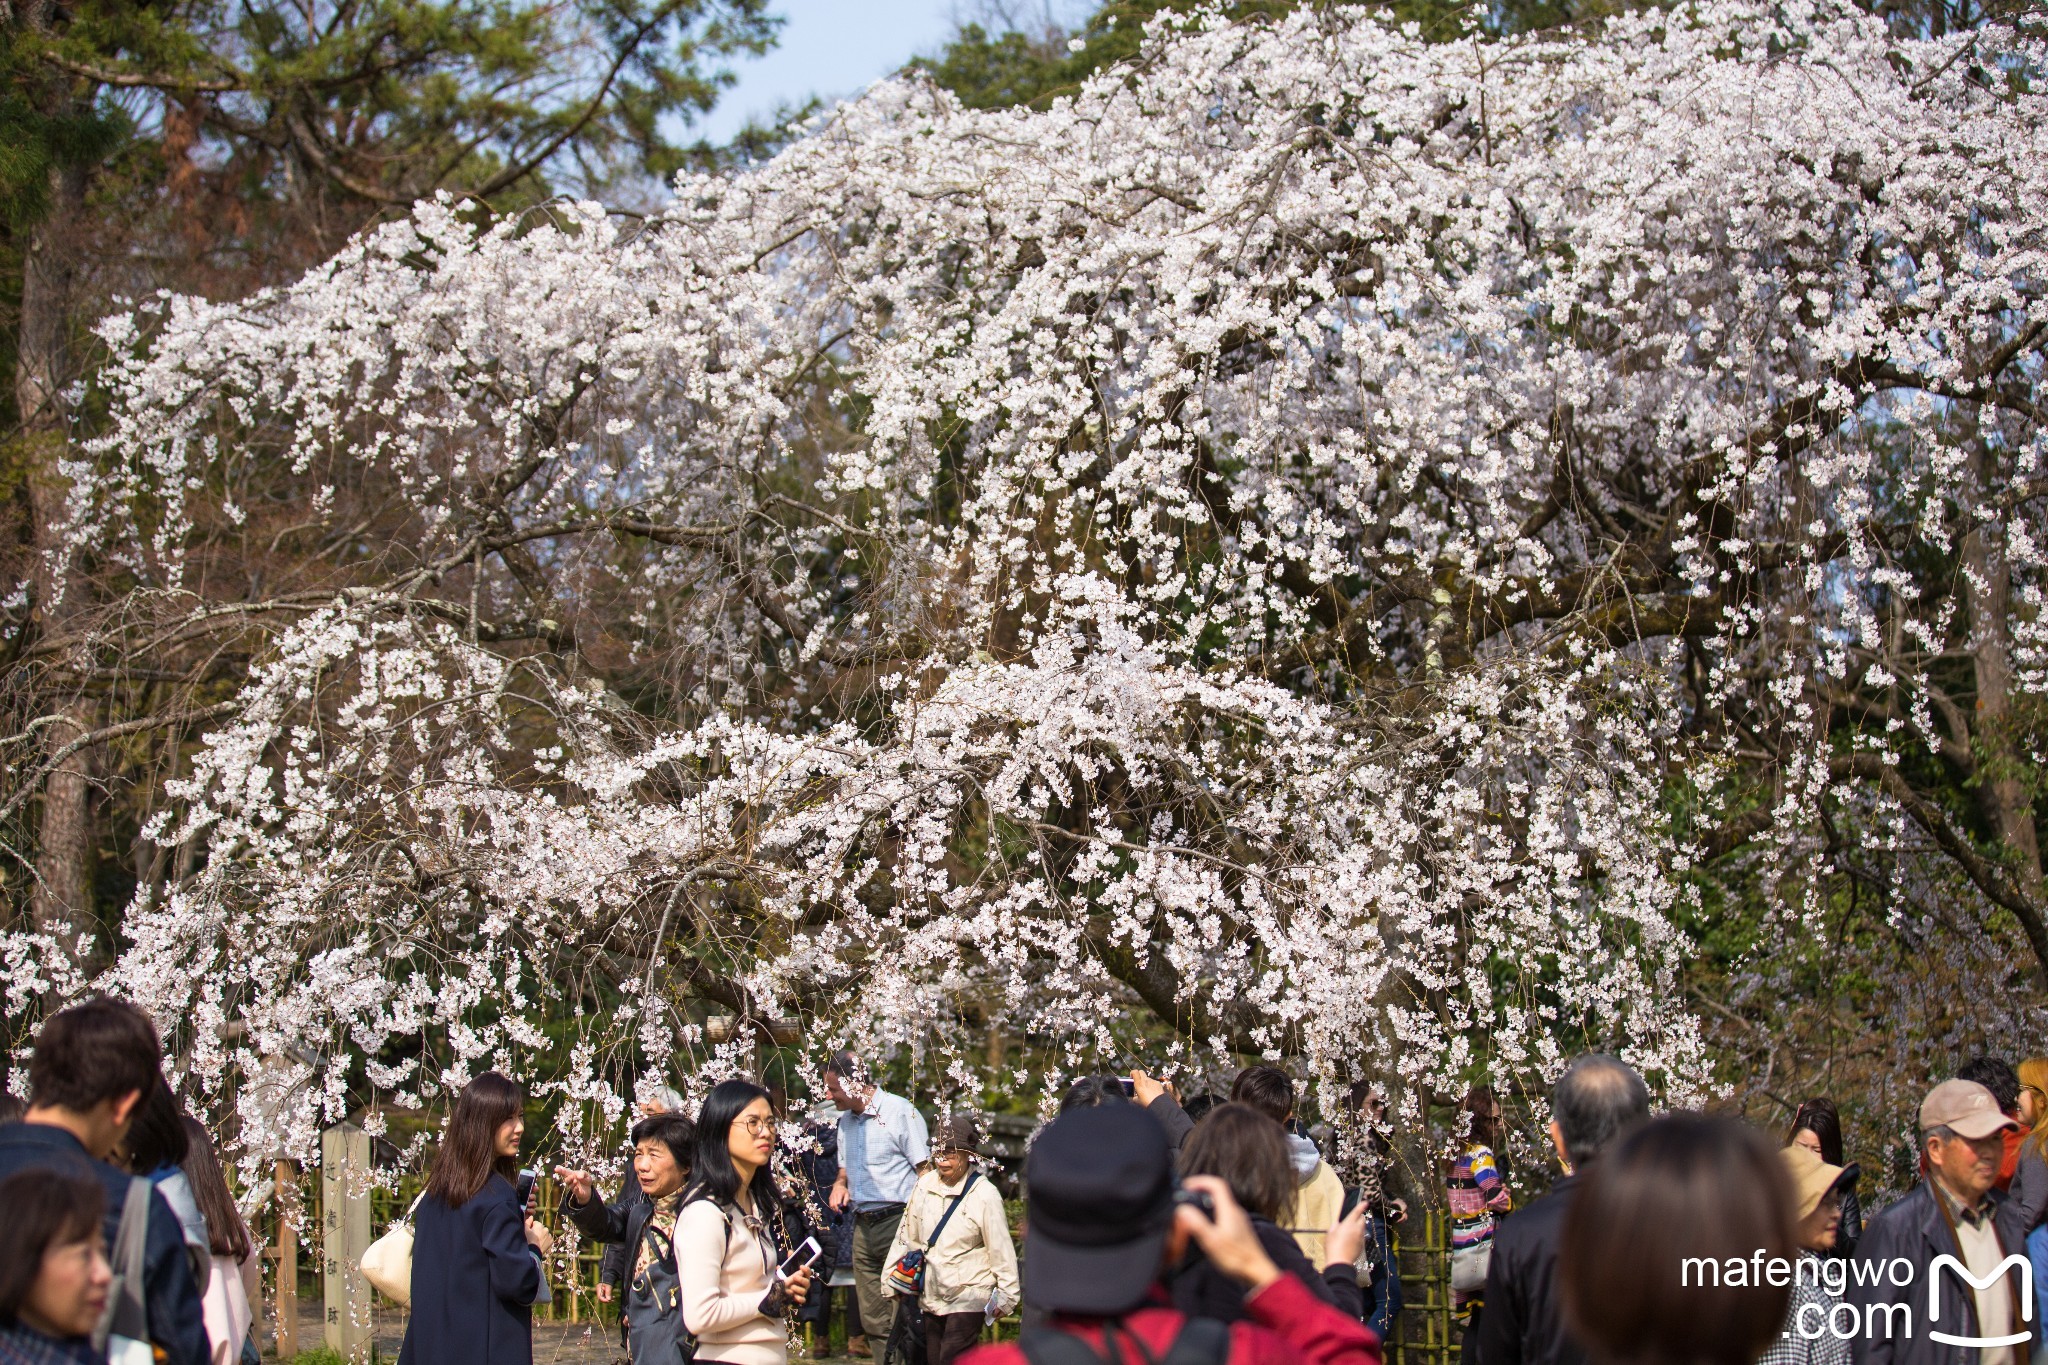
x: 1477, y: 1192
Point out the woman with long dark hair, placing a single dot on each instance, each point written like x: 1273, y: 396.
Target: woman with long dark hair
x: 155, y: 1147
x: 236, y: 1281
x: 727, y: 1250
x: 1247, y: 1151
x: 476, y: 1267
x: 1817, y: 1126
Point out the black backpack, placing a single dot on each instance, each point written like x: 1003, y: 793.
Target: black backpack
x: 1200, y: 1341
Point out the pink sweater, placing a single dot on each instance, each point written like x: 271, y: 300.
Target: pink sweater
x: 723, y: 1268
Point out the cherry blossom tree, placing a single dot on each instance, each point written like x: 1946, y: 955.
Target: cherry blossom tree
x: 1303, y: 548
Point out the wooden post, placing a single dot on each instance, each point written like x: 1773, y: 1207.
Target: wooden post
x: 345, y: 1236
x: 287, y: 1262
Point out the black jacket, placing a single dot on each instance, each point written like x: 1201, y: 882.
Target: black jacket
x: 612, y: 1266
x: 1913, y: 1229
x: 1200, y: 1290
x: 1523, y: 1323
x: 474, y: 1280
x: 177, y: 1322
x: 1851, y: 1230
x: 619, y: 1224
x: 1173, y: 1119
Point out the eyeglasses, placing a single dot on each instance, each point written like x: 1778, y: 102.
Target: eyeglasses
x: 757, y: 1127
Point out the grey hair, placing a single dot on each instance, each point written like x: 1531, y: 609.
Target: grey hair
x: 1595, y: 1101
x: 1939, y: 1130
x: 666, y: 1096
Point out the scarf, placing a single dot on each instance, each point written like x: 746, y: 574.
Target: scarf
x: 663, y: 1221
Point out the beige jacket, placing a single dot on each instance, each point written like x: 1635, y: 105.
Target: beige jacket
x: 1316, y: 1205
x: 724, y: 1276
x: 975, y: 1260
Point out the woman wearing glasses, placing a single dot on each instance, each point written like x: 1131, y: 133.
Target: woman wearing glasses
x: 733, y: 1296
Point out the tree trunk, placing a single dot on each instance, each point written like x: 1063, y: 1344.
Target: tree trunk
x: 2002, y: 790
x: 45, y: 368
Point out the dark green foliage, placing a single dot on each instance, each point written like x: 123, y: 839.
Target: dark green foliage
x: 391, y: 98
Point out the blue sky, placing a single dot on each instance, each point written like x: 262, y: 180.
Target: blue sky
x: 833, y: 48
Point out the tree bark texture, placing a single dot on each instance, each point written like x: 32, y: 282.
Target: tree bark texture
x: 45, y: 368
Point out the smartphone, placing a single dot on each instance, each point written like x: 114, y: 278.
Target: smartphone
x: 1352, y: 1194
x: 526, y: 1179
x: 804, y: 1255
x: 1128, y: 1086
x: 1199, y: 1199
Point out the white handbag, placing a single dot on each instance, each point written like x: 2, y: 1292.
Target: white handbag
x: 387, y: 1265
x: 1469, y: 1266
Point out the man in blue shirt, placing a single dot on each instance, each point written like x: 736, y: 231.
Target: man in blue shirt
x: 92, y: 1065
x: 883, y: 1144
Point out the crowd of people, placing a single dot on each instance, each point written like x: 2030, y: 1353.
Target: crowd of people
x: 1156, y: 1231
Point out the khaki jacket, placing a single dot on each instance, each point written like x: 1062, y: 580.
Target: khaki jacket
x: 1316, y: 1205
x: 976, y: 1259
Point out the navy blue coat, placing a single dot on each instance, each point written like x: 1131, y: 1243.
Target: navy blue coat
x: 176, y: 1321
x: 474, y: 1280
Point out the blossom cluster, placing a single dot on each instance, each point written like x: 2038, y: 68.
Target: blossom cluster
x: 1258, y: 543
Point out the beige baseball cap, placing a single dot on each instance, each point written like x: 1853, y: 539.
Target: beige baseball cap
x: 1965, y: 1108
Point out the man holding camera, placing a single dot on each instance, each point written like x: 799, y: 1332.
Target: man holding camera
x: 1104, y: 1227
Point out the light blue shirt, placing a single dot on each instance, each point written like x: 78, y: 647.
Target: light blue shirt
x: 880, y: 1149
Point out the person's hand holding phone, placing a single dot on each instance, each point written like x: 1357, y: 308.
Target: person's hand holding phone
x: 1144, y: 1089
x: 1228, y: 1240
x: 798, y: 1286
x: 803, y: 1258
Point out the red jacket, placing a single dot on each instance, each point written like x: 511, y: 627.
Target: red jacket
x: 2009, y: 1161
x: 1288, y: 1326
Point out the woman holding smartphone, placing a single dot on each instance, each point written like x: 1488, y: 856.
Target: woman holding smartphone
x: 476, y: 1267
x: 734, y: 1293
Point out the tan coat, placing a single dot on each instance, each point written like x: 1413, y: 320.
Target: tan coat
x: 1316, y: 1205
x: 975, y: 1260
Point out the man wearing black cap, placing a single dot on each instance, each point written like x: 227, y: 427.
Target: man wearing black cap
x: 1102, y: 1228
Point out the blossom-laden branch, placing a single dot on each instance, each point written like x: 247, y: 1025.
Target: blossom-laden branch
x: 1257, y: 540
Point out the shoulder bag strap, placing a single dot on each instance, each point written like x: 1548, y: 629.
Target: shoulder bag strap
x: 724, y: 1217
x: 947, y: 1216
x: 127, y: 1311
x: 1201, y: 1341
x: 1051, y: 1346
